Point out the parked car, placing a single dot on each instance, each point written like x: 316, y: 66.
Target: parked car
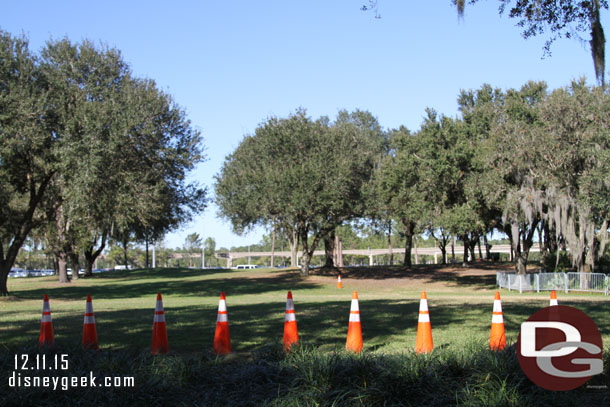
x: 246, y: 267
x: 18, y: 273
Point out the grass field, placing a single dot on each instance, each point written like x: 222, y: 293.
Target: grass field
x: 460, y: 301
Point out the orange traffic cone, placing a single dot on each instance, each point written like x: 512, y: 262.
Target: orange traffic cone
x: 354, y: 330
x: 553, y: 298
x: 46, y: 337
x: 222, y: 342
x: 291, y: 334
x: 89, y: 331
x: 423, y: 343
x: 159, y: 339
x: 339, y: 284
x: 497, y: 338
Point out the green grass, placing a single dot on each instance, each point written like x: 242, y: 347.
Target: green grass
x: 461, y: 370
x: 124, y: 303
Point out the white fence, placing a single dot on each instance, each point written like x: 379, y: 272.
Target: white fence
x: 588, y: 282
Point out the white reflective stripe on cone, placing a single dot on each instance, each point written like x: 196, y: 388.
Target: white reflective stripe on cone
x: 290, y: 317
x: 424, y: 318
x: 289, y: 305
x: 497, y: 306
x: 355, y: 305
x: 423, y: 305
x: 159, y: 317
x: 222, y: 306
x: 497, y: 319
x: 222, y: 318
x: 159, y: 306
x: 89, y: 308
x: 553, y: 302
x: 46, y: 307
x: 354, y: 317
x: 46, y: 318
x: 89, y: 319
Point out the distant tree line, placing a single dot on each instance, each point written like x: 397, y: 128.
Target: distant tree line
x: 523, y: 162
x: 88, y: 152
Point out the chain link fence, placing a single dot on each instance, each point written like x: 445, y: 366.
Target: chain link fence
x: 584, y: 282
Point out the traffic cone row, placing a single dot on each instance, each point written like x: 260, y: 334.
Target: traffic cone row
x: 222, y: 341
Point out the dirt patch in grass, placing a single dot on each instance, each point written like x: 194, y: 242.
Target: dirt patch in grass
x: 479, y: 275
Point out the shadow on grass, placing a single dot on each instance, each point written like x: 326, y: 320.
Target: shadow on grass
x: 179, y: 284
x: 481, y: 275
x: 191, y: 328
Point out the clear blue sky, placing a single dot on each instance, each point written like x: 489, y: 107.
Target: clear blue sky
x: 232, y: 64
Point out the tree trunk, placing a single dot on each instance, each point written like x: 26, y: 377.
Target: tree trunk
x: 305, y: 256
x: 466, y: 244
x: 471, y: 247
x: 62, y: 267
x: 415, y: 247
x: 453, y: 249
x: 409, y: 228
x: 522, y: 249
x: 329, y: 249
x: 442, y: 245
x: 7, y: 260
x: 487, y: 247
x: 6, y: 263
x: 91, y: 255
x: 479, y: 246
x: 146, y: 256
x: 125, y: 244
x: 272, y: 247
x: 5, y: 268
x: 390, y: 242
x: 294, y: 244
x: 75, y: 263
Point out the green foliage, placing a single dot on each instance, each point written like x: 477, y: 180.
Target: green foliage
x: 89, y: 149
x: 558, y: 19
x: 303, y: 176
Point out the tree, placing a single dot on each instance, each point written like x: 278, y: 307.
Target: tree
x: 563, y: 18
x: 89, y: 151
x: 209, y: 248
x: 86, y: 84
x: 558, y: 18
x: 108, y: 116
x: 191, y: 242
x: 398, y: 186
x: 27, y: 148
x: 446, y: 152
x: 305, y: 176
x: 572, y: 148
